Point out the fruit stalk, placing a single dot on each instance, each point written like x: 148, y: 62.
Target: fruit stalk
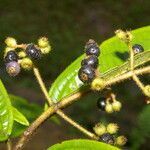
x: 63, y: 104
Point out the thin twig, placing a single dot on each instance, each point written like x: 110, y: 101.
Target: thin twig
x: 79, y: 127
x: 138, y: 82
x: 66, y: 102
x: 127, y: 75
x: 45, y: 115
x: 131, y: 56
x: 134, y: 76
x: 60, y: 112
x: 9, y: 144
x: 42, y: 85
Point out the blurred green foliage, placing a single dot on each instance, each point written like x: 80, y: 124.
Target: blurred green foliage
x: 142, y: 130
x: 30, y: 110
x: 68, y: 24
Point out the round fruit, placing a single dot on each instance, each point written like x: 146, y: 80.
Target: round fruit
x: 13, y: 68
x: 26, y: 63
x: 11, y: 42
x: 98, y: 84
x: 33, y: 52
x: 99, y: 129
x: 116, y: 105
x: 147, y: 90
x: 121, y: 140
x: 101, y: 103
x: 46, y: 50
x: 109, y: 108
x: 86, y: 74
x: 137, y: 48
x: 107, y: 138
x: 93, y: 50
x: 112, y: 128
x: 11, y: 56
x: 43, y: 42
x: 90, y: 43
x: 90, y: 61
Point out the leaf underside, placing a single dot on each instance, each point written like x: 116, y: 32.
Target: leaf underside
x: 112, y: 61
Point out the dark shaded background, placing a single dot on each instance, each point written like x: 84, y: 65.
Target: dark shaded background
x: 69, y: 24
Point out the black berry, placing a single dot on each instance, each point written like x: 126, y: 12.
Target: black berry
x: 107, y: 138
x: 90, y: 43
x: 90, y: 61
x: 93, y: 50
x: 13, y: 68
x: 86, y: 74
x: 101, y: 103
x: 11, y: 56
x: 33, y: 52
x: 137, y: 48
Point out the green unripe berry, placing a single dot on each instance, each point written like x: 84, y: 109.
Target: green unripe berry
x: 147, y: 90
x: 109, y: 108
x: 99, y: 129
x: 46, y: 50
x: 26, y: 63
x: 112, y: 128
x: 120, y: 34
x: 116, y: 105
x: 11, y: 42
x: 124, y: 36
x: 7, y: 49
x: 22, y: 54
x: 43, y: 42
x: 98, y: 84
x: 121, y: 140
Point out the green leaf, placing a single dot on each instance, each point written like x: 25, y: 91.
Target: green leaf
x: 6, y: 115
x: 55, y: 119
x: 113, y: 55
x: 19, y: 117
x: 30, y: 110
x: 82, y: 145
x: 142, y: 130
x: 115, y: 52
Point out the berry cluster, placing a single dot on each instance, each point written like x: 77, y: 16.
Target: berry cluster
x: 107, y: 134
x: 88, y: 65
x: 11, y: 57
x: 21, y: 56
x: 109, y: 104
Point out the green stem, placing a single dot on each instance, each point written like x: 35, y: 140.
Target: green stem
x: 42, y: 85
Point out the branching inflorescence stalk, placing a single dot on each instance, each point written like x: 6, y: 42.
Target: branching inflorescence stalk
x: 60, y: 112
x: 66, y: 102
